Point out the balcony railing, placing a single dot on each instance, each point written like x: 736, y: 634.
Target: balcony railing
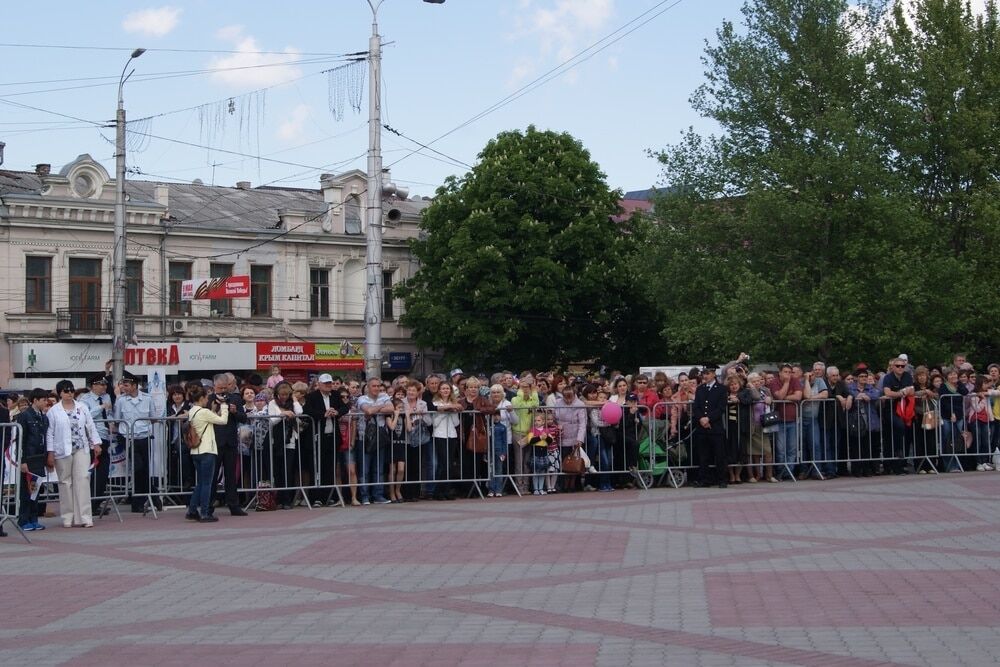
x: 83, y: 321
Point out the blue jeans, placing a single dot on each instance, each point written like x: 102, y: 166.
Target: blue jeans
x: 499, y: 468
x: 786, y: 445
x: 822, y: 448
x: 370, y: 468
x: 981, y: 440
x: 429, y: 461
x: 201, y: 497
x: 540, y: 465
x: 498, y: 465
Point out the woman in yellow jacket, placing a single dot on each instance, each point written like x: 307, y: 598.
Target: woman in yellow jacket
x: 204, y: 456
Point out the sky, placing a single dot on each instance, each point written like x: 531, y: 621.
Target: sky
x: 240, y: 91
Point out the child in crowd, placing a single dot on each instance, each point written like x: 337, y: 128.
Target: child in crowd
x: 540, y: 440
x: 397, y: 430
x: 275, y: 377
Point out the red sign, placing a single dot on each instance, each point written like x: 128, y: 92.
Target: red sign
x: 303, y: 356
x: 233, y: 287
x: 285, y: 354
x: 152, y: 356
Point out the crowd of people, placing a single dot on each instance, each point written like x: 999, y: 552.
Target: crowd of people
x: 270, y: 443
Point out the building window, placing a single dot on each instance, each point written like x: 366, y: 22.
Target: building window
x: 179, y: 272
x: 85, y: 294
x: 133, y: 287
x: 387, y: 295
x: 319, y: 293
x: 352, y: 215
x: 260, y: 291
x: 221, y: 307
x: 38, y: 285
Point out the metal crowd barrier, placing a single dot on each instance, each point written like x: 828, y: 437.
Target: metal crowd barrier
x: 441, y: 455
x: 610, y: 454
x: 11, y: 478
x: 675, y: 449
x: 869, y: 437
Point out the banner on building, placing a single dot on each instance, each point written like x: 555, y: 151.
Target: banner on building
x: 232, y: 287
x: 345, y: 356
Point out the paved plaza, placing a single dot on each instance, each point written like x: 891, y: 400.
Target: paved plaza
x: 901, y: 570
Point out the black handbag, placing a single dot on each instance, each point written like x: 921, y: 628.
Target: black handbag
x: 770, y: 419
x: 374, y: 434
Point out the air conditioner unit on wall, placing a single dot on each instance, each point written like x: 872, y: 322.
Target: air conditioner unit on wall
x: 180, y: 326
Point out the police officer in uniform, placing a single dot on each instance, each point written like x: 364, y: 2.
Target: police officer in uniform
x: 708, y: 415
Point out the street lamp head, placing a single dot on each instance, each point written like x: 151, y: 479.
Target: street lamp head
x: 434, y: 2
x: 139, y: 52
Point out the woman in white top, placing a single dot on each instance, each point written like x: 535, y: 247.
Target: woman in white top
x: 205, y: 454
x: 69, y: 440
x: 284, y: 411
x: 444, y: 430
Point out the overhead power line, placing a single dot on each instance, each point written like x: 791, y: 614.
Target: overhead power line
x: 582, y: 56
x: 84, y: 47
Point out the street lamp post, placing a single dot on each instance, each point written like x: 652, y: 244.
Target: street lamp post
x: 119, y: 296
x: 375, y: 192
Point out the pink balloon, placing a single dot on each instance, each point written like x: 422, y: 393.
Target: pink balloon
x: 611, y: 413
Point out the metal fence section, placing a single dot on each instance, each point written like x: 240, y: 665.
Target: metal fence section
x: 560, y: 447
x: 11, y: 478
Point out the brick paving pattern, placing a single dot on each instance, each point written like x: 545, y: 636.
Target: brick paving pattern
x: 901, y: 571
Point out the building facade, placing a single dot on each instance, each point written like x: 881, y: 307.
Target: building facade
x: 303, y: 251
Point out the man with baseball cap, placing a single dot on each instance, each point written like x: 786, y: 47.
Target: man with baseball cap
x: 325, y: 407
x: 98, y: 402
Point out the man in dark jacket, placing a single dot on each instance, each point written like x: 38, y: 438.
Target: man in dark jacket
x: 34, y: 425
x: 708, y: 413
x: 227, y: 437
x: 324, y: 408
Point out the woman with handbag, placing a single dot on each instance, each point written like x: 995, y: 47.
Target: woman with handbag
x: 419, y: 455
x: 925, y: 425
x: 477, y: 415
x: 202, y: 420
x: 761, y: 452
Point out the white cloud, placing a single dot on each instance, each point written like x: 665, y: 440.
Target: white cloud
x: 250, y: 68
x: 519, y: 73
x: 294, y: 124
x: 153, y: 22
x: 562, y: 28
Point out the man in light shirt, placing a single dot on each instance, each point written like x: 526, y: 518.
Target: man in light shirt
x: 133, y: 410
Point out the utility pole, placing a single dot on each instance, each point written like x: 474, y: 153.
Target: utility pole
x: 375, y: 191
x: 373, y: 237
x: 119, y: 293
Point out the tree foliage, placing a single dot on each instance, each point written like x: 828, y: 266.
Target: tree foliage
x: 521, y: 263
x: 843, y: 210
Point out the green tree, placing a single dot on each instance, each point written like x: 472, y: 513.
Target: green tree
x: 793, y: 236
x: 939, y: 70
x: 521, y: 264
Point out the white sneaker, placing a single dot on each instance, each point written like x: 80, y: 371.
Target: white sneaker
x: 987, y: 466
x: 980, y: 467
